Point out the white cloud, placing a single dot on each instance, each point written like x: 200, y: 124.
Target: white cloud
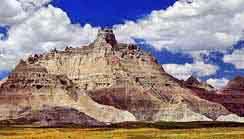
x: 10, y: 12
x: 14, y: 11
x: 218, y: 83
x: 200, y: 25
x: 184, y: 71
x: 29, y: 4
x: 236, y: 58
x: 47, y: 28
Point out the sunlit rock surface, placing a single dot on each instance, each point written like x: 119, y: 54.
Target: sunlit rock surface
x: 231, y: 96
x: 231, y: 118
x: 104, y: 82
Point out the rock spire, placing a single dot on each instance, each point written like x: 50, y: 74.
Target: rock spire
x: 106, y: 36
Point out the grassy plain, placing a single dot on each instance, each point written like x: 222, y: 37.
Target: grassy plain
x: 139, y: 133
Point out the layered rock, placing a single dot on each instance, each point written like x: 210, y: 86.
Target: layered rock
x: 54, y: 117
x: 232, y: 96
x: 105, y: 82
x: 31, y: 87
x: 193, y: 82
x: 235, y: 86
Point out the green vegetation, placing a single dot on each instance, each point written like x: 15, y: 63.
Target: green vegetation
x: 132, y: 130
x: 177, y: 125
x: 140, y: 133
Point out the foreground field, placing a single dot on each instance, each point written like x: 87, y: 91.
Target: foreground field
x: 143, y: 133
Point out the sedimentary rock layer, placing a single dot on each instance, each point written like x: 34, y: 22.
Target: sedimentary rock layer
x: 104, y: 82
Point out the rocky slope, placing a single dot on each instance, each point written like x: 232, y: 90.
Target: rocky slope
x: 32, y: 88
x: 235, y: 86
x: 1, y: 82
x: 193, y: 82
x: 105, y: 82
x: 231, y: 96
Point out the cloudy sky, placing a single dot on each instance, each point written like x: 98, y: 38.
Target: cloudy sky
x: 204, y: 38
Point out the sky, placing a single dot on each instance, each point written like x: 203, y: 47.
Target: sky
x: 203, y: 38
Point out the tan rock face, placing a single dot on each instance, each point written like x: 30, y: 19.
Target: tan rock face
x: 37, y: 89
x: 106, y: 81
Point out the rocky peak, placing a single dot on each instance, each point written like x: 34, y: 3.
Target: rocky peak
x: 236, y: 83
x: 108, y: 81
x: 192, y: 81
x: 105, y: 36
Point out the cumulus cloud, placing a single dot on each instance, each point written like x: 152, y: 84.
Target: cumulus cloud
x: 29, y: 4
x: 184, y: 71
x: 218, y: 83
x: 47, y: 28
x: 14, y: 11
x: 236, y: 58
x: 193, y: 27
x: 190, y: 26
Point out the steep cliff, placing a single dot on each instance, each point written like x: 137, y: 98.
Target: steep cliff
x: 104, y: 82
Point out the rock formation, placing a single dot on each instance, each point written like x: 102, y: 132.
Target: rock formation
x: 1, y: 82
x: 193, y: 82
x: 231, y: 96
x: 102, y: 83
x: 231, y: 118
x: 235, y: 86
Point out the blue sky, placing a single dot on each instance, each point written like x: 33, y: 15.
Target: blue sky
x: 107, y: 13
x: 110, y: 12
x: 3, y: 31
x: 188, y: 37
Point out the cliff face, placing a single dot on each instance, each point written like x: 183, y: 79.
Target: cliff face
x: 234, y: 95
x: 105, y: 82
x: 30, y: 88
x: 231, y: 96
x: 235, y: 86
